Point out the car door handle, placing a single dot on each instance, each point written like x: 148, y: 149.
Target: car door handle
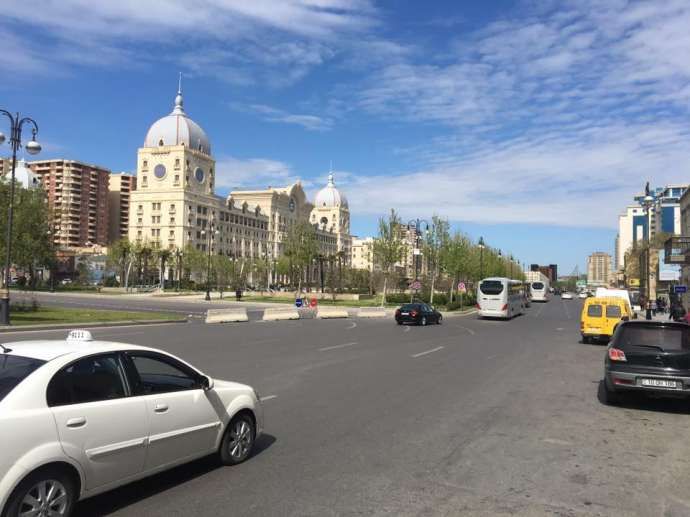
x: 160, y: 408
x: 75, y: 423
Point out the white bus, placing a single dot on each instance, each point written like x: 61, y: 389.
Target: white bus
x: 540, y: 291
x: 500, y: 298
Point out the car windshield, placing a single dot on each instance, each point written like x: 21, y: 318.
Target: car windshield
x: 666, y: 338
x: 491, y: 287
x: 13, y: 370
x: 537, y: 285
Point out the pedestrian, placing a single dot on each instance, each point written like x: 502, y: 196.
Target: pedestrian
x: 238, y: 294
x: 678, y: 312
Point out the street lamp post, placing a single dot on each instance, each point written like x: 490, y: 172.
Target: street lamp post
x: 32, y: 147
x: 481, y: 257
x: 210, y: 235
x: 647, y: 203
x: 511, y: 266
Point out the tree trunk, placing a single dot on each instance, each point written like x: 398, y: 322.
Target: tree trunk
x: 385, y: 287
x: 433, y: 283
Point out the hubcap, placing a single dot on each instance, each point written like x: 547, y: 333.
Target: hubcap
x: 240, y: 440
x: 47, y: 498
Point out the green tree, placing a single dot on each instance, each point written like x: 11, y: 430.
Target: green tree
x: 223, y: 272
x: 31, y: 245
x: 163, y: 255
x: 301, y: 248
x: 388, y: 248
x: 434, y: 241
x: 455, y: 258
x: 120, y: 257
x: 194, y: 262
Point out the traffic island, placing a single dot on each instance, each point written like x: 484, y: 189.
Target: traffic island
x: 281, y: 314
x: 226, y: 315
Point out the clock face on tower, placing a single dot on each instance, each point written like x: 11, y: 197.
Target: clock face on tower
x: 159, y: 171
x: 199, y: 174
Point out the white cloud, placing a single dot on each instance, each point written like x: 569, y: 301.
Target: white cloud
x: 238, y: 173
x: 270, y: 114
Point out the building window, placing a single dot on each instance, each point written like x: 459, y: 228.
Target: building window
x: 160, y: 142
x: 177, y: 163
x: 140, y: 220
x: 172, y: 220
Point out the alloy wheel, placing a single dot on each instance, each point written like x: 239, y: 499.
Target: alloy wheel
x: 241, y: 438
x: 47, y: 498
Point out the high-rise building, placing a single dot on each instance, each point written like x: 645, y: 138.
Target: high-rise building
x: 599, y: 269
x: 363, y: 253
x: 120, y: 188
x: 550, y: 271
x: 77, y: 196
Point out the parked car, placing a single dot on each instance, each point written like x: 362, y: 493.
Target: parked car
x: 601, y: 316
x: 418, y: 313
x: 582, y: 295
x: 647, y: 356
x: 566, y: 296
x: 79, y: 417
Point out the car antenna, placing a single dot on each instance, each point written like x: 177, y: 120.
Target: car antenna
x: 5, y: 350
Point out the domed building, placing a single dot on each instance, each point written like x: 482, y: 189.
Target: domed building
x: 175, y: 206
x: 331, y: 213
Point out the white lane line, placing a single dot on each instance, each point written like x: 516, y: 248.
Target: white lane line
x: 268, y: 397
x: 467, y: 329
x: 344, y: 345
x: 559, y: 328
x: 353, y: 324
x: 407, y: 329
x: 565, y: 308
x: 540, y: 309
x: 420, y: 354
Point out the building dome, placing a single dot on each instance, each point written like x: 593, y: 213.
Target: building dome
x: 177, y: 129
x: 330, y: 197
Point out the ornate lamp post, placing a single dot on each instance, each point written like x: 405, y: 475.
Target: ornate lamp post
x: 32, y: 147
x: 481, y: 257
x: 417, y: 223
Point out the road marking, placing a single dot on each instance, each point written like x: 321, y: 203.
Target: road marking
x: 420, y: 354
x: 344, y: 345
x: 467, y: 329
x: 559, y: 328
x: 407, y: 329
x: 268, y: 397
x: 353, y: 324
x: 540, y: 309
x: 66, y: 329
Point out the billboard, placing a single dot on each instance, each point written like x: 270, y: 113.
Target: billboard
x: 667, y: 272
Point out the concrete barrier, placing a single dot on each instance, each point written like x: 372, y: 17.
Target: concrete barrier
x: 372, y: 312
x: 332, y: 312
x: 226, y: 315
x: 280, y: 314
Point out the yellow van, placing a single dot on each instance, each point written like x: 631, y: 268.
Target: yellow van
x: 601, y: 316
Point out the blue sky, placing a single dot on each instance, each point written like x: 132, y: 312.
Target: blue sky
x: 531, y: 123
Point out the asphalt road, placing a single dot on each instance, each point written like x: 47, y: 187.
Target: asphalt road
x: 472, y: 417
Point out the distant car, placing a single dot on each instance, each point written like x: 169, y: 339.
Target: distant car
x: 66, y: 281
x: 566, y: 296
x: 418, y: 313
x: 79, y: 417
x: 647, y: 356
x: 582, y: 295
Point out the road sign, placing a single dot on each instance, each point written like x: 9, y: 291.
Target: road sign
x: 462, y: 288
x: 416, y: 285
x: 298, y: 302
x: 679, y: 289
x: 313, y: 303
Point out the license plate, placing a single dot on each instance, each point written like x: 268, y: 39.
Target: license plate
x: 659, y: 383
x: 404, y: 313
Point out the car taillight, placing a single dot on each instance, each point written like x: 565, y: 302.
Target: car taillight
x: 397, y: 312
x: 505, y: 307
x: 478, y: 307
x: 413, y: 314
x: 582, y: 325
x: 616, y: 354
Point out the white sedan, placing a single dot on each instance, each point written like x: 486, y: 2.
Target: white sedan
x: 583, y: 295
x: 567, y: 296
x: 79, y: 417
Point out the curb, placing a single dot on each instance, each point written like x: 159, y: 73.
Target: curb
x: 60, y: 326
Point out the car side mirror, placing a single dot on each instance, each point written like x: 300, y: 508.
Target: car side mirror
x: 206, y: 382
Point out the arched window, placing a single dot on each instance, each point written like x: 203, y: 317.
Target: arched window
x: 160, y: 142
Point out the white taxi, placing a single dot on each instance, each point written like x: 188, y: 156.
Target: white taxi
x: 79, y: 417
